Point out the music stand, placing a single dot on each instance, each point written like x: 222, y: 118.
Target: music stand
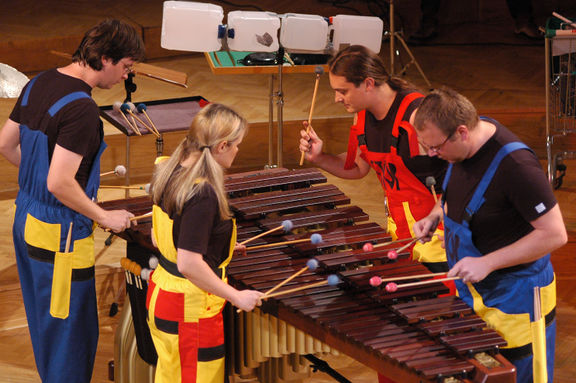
x: 397, y: 35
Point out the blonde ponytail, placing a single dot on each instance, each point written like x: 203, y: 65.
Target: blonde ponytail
x: 173, y: 185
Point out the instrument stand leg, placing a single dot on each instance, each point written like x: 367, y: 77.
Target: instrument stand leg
x: 393, y: 35
x: 271, y: 124
x: 278, y: 96
x: 280, y: 106
x: 127, y: 175
x: 160, y: 145
x: 321, y: 365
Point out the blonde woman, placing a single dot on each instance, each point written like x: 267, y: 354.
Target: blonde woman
x: 194, y: 230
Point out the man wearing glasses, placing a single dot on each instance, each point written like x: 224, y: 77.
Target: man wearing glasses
x: 55, y: 137
x: 501, y: 222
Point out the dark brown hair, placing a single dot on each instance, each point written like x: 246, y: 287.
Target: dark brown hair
x: 356, y: 63
x: 113, y: 39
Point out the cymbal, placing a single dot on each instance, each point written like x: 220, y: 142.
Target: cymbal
x: 11, y: 81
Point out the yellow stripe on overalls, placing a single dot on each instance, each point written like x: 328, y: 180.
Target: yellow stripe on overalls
x: 430, y: 252
x: 62, y: 281
x: 515, y: 328
x: 47, y: 236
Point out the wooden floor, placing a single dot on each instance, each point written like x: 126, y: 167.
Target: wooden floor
x: 504, y: 78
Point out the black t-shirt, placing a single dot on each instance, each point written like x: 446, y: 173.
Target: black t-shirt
x: 76, y: 127
x: 518, y: 194
x: 200, y: 229
x: 379, y: 139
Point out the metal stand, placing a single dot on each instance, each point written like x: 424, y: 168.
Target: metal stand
x: 393, y: 51
x: 130, y: 88
x: 560, y: 67
x: 321, y: 365
x: 278, y: 97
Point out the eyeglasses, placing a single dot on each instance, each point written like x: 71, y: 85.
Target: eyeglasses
x: 128, y: 68
x: 435, y: 149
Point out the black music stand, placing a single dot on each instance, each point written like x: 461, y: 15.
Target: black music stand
x: 393, y: 34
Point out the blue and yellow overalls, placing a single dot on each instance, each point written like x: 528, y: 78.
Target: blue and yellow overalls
x: 505, y: 298
x: 185, y: 321
x: 58, y: 286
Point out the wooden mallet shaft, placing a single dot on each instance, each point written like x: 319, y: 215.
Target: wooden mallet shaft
x: 286, y: 225
x: 318, y: 70
x: 117, y: 106
x: 68, y: 238
x: 261, y: 235
x: 122, y: 187
x: 422, y: 283
x: 134, y: 128
x: 296, y: 289
x: 314, y: 238
x: 269, y: 292
x: 299, y: 272
x: 407, y: 245
x: 406, y: 277
x: 278, y: 244
x: 393, y: 242
x: 151, y: 123
x: 154, y: 132
x: 120, y: 170
x: 431, y: 183
x: 136, y: 218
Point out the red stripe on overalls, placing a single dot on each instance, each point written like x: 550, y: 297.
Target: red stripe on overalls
x: 169, y: 305
x: 398, y: 182
x: 188, y: 339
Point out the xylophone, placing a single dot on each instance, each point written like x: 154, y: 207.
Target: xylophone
x: 411, y: 335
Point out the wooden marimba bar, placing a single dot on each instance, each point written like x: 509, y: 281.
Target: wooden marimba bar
x: 412, y: 335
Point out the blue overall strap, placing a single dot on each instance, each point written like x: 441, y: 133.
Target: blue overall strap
x: 449, y: 169
x: 27, y: 91
x: 65, y: 101
x: 446, y: 178
x: 478, y: 198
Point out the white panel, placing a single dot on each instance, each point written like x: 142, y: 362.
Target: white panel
x: 357, y: 30
x: 253, y: 31
x: 191, y: 26
x: 304, y: 32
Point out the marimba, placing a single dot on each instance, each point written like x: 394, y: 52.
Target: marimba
x: 412, y: 335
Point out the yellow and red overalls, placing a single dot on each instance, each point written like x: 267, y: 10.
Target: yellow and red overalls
x: 408, y: 200
x: 185, y: 321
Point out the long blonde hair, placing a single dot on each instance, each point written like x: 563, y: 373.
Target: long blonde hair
x: 173, y: 186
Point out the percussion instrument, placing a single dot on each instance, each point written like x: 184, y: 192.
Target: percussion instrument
x: 169, y: 115
x: 415, y: 334
x: 12, y: 81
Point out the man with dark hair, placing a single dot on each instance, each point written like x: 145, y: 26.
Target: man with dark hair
x: 382, y: 138
x: 501, y: 222
x: 55, y: 136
